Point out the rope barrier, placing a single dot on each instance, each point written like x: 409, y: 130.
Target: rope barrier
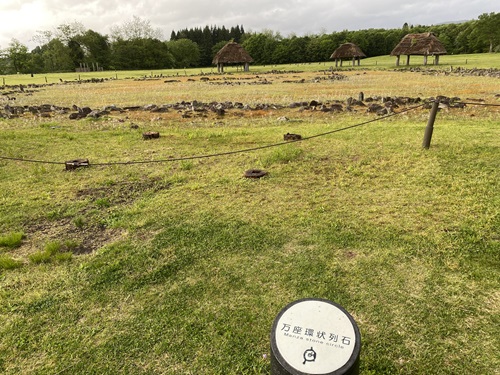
x: 258, y: 147
x: 227, y: 152
x: 481, y: 104
x: 30, y: 160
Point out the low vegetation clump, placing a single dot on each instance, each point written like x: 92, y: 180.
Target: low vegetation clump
x: 8, y: 263
x: 11, y: 240
x: 53, y: 252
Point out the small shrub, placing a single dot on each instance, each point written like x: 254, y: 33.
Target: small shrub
x: 54, y: 251
x: 52, y: 248
x: 7, y: 263
x: 102, y: 202
x: 186, y: 165
x: 63, y: 257
x: 12, y: 240
x: 39, y: 257
x: 55, y: 214
x: 79, y: 222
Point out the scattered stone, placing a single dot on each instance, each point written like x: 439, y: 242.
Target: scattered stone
x: 336, y: 108
x: 353, y: 102
x: 298, y: 105
x: 374, y: 108
x: 150, y: 135
x: 149, y: 107
x: 459, y: 71
x: 96, y: 114
x: 200, y: 109
x: 75, y: 116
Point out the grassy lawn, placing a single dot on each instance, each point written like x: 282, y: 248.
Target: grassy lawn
x: 470, y: 61
x: 180, y: 267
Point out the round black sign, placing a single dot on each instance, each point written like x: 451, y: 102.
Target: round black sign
x: 314, y: 336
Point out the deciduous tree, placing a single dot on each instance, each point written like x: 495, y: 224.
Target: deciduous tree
x: 185, y: 52
x: 488, y: 27
x: 141, y: 54
x: 18, y: 56
x: 135, y: 28
x: 96, y: 48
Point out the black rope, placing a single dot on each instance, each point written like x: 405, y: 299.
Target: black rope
x: 227, y: 152
x: 30, y: 160
x: 483, y: 104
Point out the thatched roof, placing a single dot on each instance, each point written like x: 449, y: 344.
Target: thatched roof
x: 419, y: 44
x: 347, y: 51
x: 232, y: 53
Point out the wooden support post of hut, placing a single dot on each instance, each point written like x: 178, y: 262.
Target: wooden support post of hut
x: 423, y: 44
x: 232, y: 53
x: 347, y: 51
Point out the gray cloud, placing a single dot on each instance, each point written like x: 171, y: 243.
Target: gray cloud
x: 20, y: 20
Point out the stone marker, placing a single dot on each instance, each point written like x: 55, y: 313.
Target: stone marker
x: 314, y: 336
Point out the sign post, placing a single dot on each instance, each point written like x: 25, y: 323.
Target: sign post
x: 314, y: 336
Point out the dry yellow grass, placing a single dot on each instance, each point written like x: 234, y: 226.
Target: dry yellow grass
x: 239, y: 88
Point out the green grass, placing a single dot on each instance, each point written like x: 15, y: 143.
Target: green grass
x: 53, y: 251
x: 8, y: 263
x: 11, y: 240
x: 181, y: 267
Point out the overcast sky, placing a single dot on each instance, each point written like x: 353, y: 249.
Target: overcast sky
x: 20, y: 19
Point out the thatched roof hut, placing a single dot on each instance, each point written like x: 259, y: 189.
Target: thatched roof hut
x: 232, y: 53
x: 424, y: 44
x: 347, y: 51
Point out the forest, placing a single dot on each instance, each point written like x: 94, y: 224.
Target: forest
x: 137, y: 45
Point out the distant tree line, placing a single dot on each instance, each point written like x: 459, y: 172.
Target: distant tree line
x: 137, y: 45
x: 268, y: 47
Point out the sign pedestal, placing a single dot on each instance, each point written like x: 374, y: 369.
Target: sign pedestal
x: 314, y: 336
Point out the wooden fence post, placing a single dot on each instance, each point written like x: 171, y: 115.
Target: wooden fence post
x: 430, y: 125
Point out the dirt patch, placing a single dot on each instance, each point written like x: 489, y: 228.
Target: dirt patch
x: 123, y: 191
x: 86, y: 240
x: 86, y: 229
